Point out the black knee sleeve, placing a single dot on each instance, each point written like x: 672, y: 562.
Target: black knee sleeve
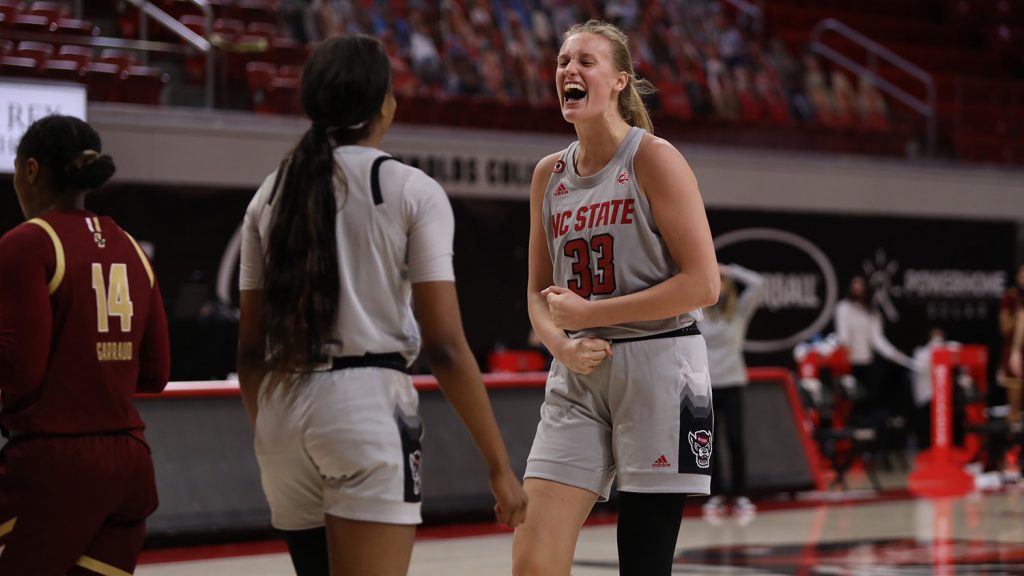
x: 647, y: 531
x: 308, y: 549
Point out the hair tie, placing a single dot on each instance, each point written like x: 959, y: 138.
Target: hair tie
x: 88, y: 156
x: 84, y: 158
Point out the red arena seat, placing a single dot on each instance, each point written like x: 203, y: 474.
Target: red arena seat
x: 62, y: 70
x: 17, y: 66
x: 143, y: 85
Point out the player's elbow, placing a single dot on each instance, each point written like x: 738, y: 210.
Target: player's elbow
x: 709, y: 287
x: 441, y: 354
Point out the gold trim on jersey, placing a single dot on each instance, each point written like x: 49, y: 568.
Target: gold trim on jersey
x: 101, y: 567
x: 142, y: 255
x: 58, y: 249
x: 7, y: 527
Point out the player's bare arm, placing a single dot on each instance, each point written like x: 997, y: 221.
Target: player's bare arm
x: 251, y: 363
x: 436, y: 308
x: 1016, y: 360
x: 581, y: 355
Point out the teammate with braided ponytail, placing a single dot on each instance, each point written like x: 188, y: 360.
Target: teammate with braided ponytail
x: 337, y: 246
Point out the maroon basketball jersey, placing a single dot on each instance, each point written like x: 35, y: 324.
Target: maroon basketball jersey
x: 109, y: 330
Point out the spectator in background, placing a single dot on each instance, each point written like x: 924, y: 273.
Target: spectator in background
x: 725, y: 331
x: 859, y: 327
x: 750, y: 108
x: 818, y: 92
x: 426, y: 61
x: 403, y: 80
x: 1011, y: 314
x: 731, y: 45
x: 723, y: 97
x: 844, y: 99
x: 770, y: 93
x: 791, y: 80
x: 295, y: 16
x: 673, y: 98
x: 871, y: 106
x: 543, y: 28
x: 622, y: 13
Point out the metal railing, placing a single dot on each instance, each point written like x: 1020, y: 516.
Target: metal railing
x: 753, y: 10
x: 148, y: 11
x: 875, y: 52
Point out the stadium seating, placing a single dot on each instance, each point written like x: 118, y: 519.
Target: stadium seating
x: 760, y: 96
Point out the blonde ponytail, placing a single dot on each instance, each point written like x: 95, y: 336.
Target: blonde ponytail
x: 631, y: 104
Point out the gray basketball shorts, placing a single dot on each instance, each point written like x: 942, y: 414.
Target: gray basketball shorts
x: 644, y: 416
x: 344, y: 443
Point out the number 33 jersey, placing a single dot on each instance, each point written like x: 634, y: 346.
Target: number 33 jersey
x: 88, y: 326
x: 602, y: 237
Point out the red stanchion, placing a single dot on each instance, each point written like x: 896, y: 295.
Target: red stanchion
x: 939, y: 470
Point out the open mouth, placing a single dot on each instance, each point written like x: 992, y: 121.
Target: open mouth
x: 573, y: 92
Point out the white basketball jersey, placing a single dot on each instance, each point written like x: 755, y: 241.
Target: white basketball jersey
x: 388, y: 238
x: 603, y: 240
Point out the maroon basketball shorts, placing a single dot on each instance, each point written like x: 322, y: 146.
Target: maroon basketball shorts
x: 74, y: 505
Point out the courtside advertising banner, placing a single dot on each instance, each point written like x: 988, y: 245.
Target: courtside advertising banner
x: 24, y: 102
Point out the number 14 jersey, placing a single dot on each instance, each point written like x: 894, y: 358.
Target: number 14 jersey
x: 100, y: 336
x: 602, y: 238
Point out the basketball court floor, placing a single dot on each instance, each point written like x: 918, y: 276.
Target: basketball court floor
x: 857, y: 532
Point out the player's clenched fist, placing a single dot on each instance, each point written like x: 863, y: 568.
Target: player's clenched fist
x: 510, y: 508
x: 584, y: 355
x: 568, y: 309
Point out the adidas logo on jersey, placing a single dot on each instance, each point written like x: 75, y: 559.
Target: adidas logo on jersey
x: 623, y: 177
x: 661, y: 462
x: 560, y: 189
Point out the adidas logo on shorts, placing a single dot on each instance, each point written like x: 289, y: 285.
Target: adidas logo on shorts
x: 661, y: 462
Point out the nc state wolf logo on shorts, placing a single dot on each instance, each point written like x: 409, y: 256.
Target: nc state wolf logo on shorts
x: 415, y: 464
x: 700, y: 444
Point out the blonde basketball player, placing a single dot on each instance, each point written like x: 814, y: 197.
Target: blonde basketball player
x: 621, y: 261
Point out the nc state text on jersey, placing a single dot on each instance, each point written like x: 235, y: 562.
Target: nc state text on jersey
x: 607, y: 213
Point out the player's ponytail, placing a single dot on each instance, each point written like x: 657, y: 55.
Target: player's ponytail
x: 344, y: 84
x: 631, y: 104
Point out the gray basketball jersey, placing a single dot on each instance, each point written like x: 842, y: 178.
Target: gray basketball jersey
x: 602, y: 238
